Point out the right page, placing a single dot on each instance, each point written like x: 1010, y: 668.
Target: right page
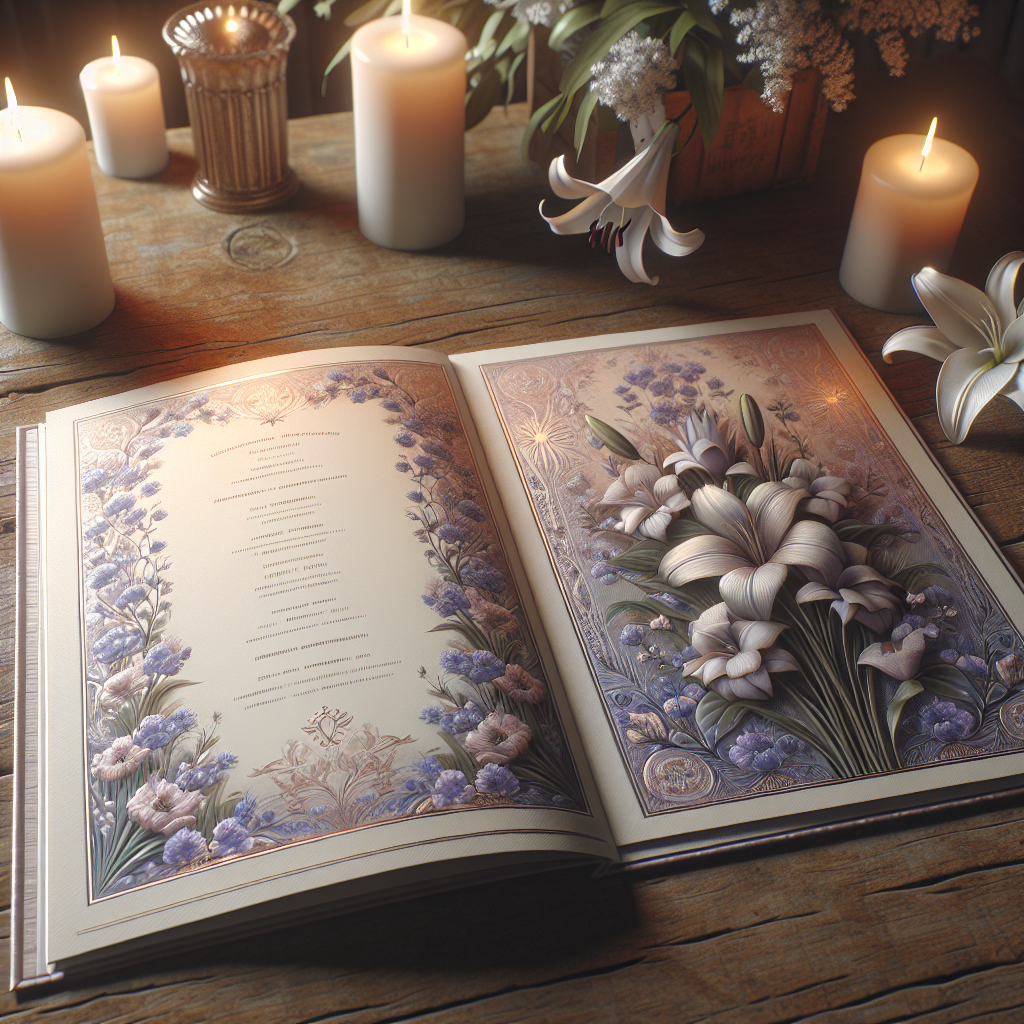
x: 768, y: 603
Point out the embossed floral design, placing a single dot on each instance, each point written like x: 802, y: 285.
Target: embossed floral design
x: 498, y: 739
x: 119, y: 760
x: 160, y: 806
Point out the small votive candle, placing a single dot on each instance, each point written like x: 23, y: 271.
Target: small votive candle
x: 408, y: 102
x: 54, y: 276
x: 126, y: 115
x: 908, y: 214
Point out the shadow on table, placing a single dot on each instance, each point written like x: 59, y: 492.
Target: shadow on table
x: 541, y: 919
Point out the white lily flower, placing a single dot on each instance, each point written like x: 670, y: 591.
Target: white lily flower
x: 978, y: 336
x: 751, y: 546
x: 619, y: 211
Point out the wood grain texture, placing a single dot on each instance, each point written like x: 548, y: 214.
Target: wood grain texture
x: 921, y: 923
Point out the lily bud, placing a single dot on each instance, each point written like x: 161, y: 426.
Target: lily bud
x: 612, y: 439
x: 753, y: 424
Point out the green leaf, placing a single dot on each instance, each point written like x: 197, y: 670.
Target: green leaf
x: 603, y: 39
x: 516, y: 37
x: 583, y: 120
x: 490, y: 27
x: 706, y: 20
x: 335, y: 61
x: 571, y: 22
x: 715, y: 715
x: 366, y: 12
x: 907, y: 689
x: 535, y: 119
x: 510, y: 81
x: 480, y: 100
x: 609, y: 7
x: 615, y: 442
x: 284, y: 6
x: 949, y: 683
x: 683, y: 24
x: 463, y: 758
x: 644, y: 556
x: 322, y: 9
x: 704, y: 77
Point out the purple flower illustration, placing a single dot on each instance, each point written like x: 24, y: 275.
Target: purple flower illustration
x: 184, y: 847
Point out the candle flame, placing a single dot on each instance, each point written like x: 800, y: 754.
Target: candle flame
x: 117, y: 54
x: 406, y: 19
x: 12, y: 105
x: 232, y: 25
x: 927, y: 147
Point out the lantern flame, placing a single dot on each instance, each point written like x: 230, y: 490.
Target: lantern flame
x: 116, y: 50
x: 12, y: 105
x: 927, y: 147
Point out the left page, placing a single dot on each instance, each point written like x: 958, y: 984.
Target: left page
x: 288, y: 646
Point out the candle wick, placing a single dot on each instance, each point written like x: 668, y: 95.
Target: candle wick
x: 407, y: 41
x: 920, y: 166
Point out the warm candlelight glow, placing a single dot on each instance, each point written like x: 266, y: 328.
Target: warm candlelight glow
x: 117, y: 54
x: 12, y: 103
x: 406, y: 19
x: 927, y: 148
x: 232, y: 25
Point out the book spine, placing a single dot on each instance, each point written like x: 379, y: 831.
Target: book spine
x: 25, y: 895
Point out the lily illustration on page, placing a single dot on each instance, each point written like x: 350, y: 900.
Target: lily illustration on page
x: 619, y: 211
x: 978, y: 336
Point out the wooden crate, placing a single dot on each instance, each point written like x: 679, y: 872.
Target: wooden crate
x: 756, y: 148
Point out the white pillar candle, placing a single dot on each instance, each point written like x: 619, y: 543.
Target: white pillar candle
x: 908, y: 215
x: 54, y: 275
x: 408, y: 100
x: 126, y: 115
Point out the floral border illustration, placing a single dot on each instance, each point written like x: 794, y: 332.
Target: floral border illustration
x: 756, y: 621
x: 158, y: 783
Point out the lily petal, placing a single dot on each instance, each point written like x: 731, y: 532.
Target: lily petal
x: 630, y: 255
x: 1013, y: 341
x: 675, y: 243
x: 774, y: 505
x: 999, y: 286
x: 701, y: 557
x: 720, y: 510
x: 743, y: 663
x: 757, y: 635
x: 750, y: 592
x: 815, y: 592
x: 579, y: 218
x: 778, y: 660
x: 958, y: 308
x: 967, y: 382
x: 922, y: 341
x: 813, y: 544
x: 563, y: 184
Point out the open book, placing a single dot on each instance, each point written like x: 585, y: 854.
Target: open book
x: 347, y: 625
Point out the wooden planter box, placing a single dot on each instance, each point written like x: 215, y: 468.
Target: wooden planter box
x: 755, y: 147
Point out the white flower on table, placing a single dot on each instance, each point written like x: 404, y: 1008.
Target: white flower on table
x: 978, y: 336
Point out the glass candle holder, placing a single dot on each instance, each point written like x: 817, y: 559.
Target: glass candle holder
x: 233, y: 61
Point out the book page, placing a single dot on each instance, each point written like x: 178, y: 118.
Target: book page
x: 761, y: 610
x: 288, y: 646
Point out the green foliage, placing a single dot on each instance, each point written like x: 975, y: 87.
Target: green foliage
x: 907, y: 689
x: 497, y: 43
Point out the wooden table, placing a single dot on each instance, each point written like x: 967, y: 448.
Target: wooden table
x: 923, y: 923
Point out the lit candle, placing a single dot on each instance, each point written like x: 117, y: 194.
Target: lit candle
x: 54, y: 276
x: 908, y: 214
x: 126, y: 114
x: 408, y: 99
